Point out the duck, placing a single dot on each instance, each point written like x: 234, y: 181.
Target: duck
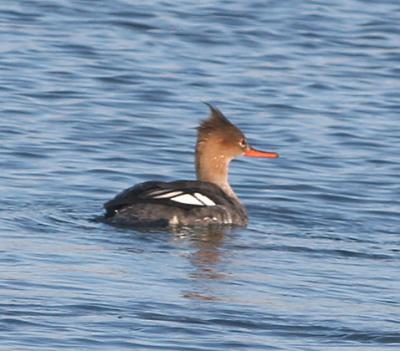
x: 209, y: 200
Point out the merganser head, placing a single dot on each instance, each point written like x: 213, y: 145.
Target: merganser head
x: 218, y: 142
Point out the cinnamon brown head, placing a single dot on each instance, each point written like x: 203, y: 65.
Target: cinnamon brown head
x: 218, y: 142
x: 217, y: 135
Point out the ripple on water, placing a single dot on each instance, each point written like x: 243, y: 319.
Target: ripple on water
x: 98, y: 98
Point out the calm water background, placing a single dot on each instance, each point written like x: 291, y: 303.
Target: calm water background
x: 96, y: 96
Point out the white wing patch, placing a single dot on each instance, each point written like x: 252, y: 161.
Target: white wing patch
x: 187, y: 199
x: 196, y: 199
x: 204, y: 199
x: 157, y: 192
x: 168, y: 195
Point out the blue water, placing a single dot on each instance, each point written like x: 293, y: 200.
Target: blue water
x: 96, y: 96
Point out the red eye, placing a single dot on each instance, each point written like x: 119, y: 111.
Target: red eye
x: 243, y: 143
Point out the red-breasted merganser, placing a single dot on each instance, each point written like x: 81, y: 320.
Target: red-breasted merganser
x: 209, y: 200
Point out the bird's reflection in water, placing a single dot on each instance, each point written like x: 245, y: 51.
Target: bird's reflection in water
x: 206, y: 257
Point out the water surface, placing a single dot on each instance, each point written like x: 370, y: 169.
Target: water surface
x: 98, y: 97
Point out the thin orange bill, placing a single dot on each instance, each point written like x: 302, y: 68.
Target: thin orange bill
x: 256, y: 153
